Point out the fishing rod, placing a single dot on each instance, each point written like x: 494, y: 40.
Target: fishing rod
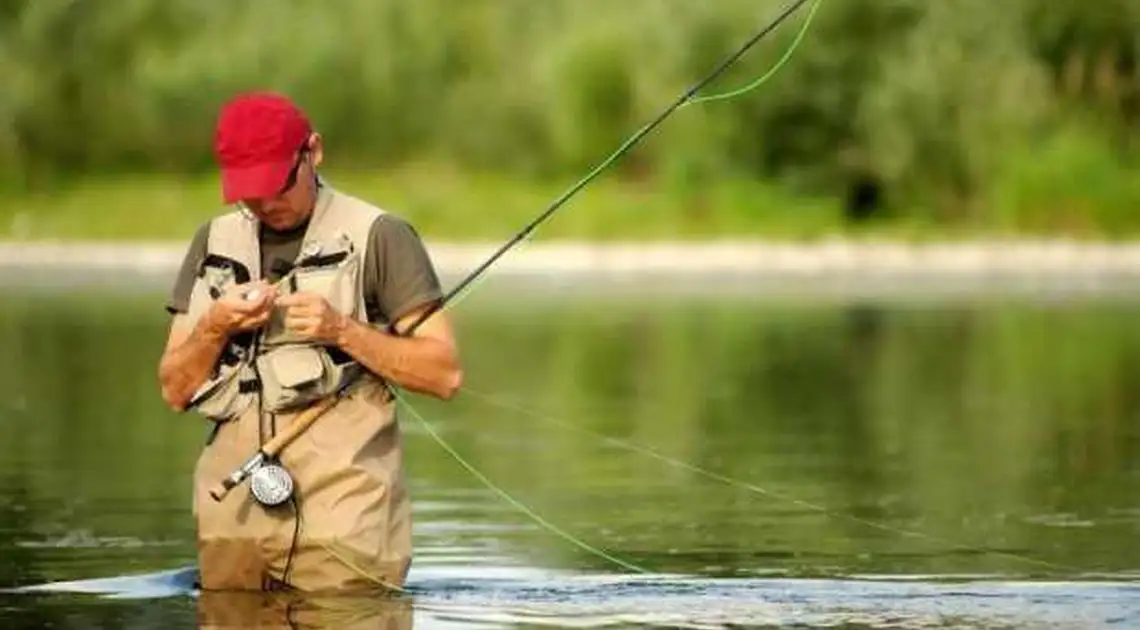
x: 624, y: 148
x: 272, y: 484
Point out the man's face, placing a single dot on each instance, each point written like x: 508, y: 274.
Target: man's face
x: 293, y: 204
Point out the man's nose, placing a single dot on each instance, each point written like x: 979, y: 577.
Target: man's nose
x: 258, y: 206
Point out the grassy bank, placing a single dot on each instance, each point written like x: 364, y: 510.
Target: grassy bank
x: 1062, y: 191
x: 443, y: 203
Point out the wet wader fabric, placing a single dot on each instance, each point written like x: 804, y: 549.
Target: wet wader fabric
x: 240, y: 611
x: 356, y: 522
x: 354, y: 511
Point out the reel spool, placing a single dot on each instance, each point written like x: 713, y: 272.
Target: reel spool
x: 271, y: 485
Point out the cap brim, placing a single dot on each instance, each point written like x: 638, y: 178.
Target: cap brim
x: 259, y: 181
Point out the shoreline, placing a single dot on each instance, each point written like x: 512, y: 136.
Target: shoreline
x: 1030, y: 258
x: 557, y: 271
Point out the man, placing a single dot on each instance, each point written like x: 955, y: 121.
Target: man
x: 301, y: 293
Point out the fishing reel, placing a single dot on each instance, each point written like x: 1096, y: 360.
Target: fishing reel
x: 271, y: 484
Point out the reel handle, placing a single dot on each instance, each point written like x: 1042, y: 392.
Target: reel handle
x: 219, y: 492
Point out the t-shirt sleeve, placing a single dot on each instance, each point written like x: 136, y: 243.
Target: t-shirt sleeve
x: 400, y: 274
x: 179, y: 299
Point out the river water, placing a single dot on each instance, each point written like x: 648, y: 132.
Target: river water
x: 695, y: 459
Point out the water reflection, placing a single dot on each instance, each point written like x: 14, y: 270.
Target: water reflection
x: 239, y: 611
x: 989, y: 438
x: 15, y: 520
x: 938, y: 420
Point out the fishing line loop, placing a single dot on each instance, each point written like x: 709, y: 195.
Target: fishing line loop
x: 763, y: 78
x: 463, y: 289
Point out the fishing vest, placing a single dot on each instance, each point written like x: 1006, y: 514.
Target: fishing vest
x: 271, y: 366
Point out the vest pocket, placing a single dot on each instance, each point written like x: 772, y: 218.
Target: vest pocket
x: 224, y: 396
x: 292, y: 375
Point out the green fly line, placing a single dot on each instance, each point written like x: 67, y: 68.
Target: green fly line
x: 609, y: 161
x: 466, y: 291
x: 744, y: 485
x: 519, y: 505
x: 648, y: 452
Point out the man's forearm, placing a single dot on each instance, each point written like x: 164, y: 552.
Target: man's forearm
x: 186, y: 366
x: 420, y: 364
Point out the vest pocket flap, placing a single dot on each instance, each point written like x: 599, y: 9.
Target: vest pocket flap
x: 294, y: 366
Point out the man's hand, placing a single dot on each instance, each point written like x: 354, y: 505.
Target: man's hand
x: 243, y: 307
x: 310, y: 316
x: 192, y: 351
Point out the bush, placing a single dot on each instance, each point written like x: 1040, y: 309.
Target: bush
x: 923, y: 102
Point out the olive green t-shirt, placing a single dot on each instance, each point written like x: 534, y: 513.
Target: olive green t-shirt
x: 398, y: 274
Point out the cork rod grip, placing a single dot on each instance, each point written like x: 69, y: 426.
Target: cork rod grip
x: 303, y: 421
x: 300, y: 424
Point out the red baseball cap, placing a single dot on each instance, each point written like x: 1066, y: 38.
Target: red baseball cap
x: 256, y: 142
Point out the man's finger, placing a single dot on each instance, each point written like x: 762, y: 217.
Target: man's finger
x: 297, y: 299
x: 253, y: 320
x: 300, y: 310
x: 299, y: 323
x: 264, y: 296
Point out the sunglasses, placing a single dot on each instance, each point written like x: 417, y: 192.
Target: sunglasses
x: 291, y: 179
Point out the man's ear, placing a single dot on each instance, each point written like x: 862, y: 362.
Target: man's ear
x: 316, y: 149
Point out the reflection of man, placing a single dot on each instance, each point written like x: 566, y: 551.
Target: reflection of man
x: 280, y: 304
x: 240, y: 611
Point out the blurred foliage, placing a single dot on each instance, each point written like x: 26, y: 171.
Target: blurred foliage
x: 947, y: 110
